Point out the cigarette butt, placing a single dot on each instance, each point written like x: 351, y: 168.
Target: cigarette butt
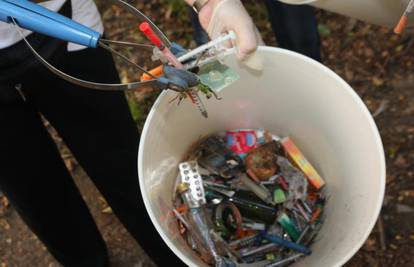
x: 401, y: 25
x: 157, y: 72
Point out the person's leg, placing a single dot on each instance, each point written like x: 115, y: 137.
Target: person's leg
x: 295, y: 27
x: 200, y: 35
x: 37, y: 183
x: 98, y: 128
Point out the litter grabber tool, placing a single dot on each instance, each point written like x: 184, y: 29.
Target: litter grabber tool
x: 203, y: 60
x: 31, y: 16
x: 172, y: 59
x: 180, y: 68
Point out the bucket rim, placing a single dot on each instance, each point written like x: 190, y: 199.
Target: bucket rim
x: 298, y: 2
x: 354, y: 96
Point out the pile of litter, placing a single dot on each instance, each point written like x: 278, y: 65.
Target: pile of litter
x: 249, y: 197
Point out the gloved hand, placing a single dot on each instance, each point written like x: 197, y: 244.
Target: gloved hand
x: 220, y: 16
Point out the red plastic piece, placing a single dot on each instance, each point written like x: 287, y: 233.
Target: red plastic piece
x: 146, y: 29
x: 282, y: 182
x: 242, y: 141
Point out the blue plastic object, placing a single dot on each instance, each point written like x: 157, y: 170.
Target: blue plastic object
x: 38, y: 19
x: 284, y: 243
x: 177, y: 50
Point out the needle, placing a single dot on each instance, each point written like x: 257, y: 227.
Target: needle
x: 146, y: 29
x: 404, y: 18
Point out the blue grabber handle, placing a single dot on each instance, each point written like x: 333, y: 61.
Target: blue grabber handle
x: 38, y: 19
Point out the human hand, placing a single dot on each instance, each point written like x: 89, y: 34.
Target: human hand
x: 220, y: 16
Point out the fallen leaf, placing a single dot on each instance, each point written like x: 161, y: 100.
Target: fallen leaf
x: 4, y: 204
x: 143, y: 93
x: 399, y: 48
x: 377, y: 81
x: 107, y: 210
x: 4, y: 201
x: 103, y: 202
x: 4, y: 224
x: 400, y: 161
x: 407, y: 193
x: 370, y: 244
x: 69, y: 164
x: 324, y: 30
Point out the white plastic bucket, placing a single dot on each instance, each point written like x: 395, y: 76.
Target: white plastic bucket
x: 380, y: 12
x: 294, y: 96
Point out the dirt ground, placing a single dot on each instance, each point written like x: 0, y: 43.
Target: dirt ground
x: 374, y: 61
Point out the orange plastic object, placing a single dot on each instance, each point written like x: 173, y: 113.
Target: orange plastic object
x: 315, y: 215
x: 157, y: 72
x: 302, y: 163
x: 401, y: 25
x: 183, y: 209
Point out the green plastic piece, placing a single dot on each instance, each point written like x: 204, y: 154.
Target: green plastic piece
x: 270, y: 257
x: 217, y: 76
x: 279, y: 196
x: 288, y: 226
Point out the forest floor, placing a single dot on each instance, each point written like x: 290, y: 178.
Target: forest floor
x: 375, y: 62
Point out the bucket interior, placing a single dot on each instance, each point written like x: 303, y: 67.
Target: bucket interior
x: 293, y: 96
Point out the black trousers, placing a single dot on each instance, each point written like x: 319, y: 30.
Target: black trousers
x: 98, y: 128
x: 295, y: 27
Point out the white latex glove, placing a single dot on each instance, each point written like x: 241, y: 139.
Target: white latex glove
x: 220, y: 16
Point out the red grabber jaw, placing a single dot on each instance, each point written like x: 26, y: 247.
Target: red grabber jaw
x: 146, y: 29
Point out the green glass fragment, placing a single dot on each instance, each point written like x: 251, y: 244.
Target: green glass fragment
x: 217, y: 76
